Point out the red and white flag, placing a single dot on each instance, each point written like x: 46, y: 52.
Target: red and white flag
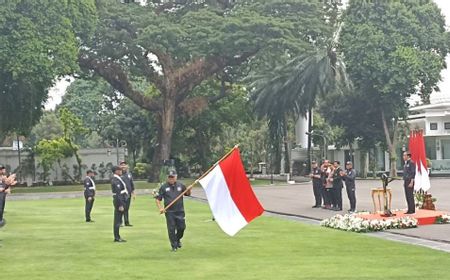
x: 230, y: 196
x: 419, y: 157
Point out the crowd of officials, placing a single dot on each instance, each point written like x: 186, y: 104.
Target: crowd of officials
x: 328, y: 181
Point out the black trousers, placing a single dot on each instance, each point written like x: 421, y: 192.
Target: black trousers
x: 409, y: 194
x: 317, y: 190
x: 2, y: 204
x: 125, y: 212
x: 336, y: 194
x: 351, y: 197
x: 88, y: 208
x: 326, y: 193
x: 175, y: 227
x: 117, y: 221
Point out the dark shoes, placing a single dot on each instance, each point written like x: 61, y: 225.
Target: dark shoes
x: 410, y: 212
x: 89, y: 221
x: 120, y: 240
x: 179, y: 245
x: 316, y: 206
x: 128, y: 225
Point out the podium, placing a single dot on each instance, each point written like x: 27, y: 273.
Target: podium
x: 379, y: 192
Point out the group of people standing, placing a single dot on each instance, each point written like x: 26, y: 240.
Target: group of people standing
x: 122, y: 187
x: 328, y: 182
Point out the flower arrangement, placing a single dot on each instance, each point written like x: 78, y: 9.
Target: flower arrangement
x: 351, y: 222
x: 443, y: 219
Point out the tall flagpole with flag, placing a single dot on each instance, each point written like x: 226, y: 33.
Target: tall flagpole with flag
x: 229, y: 193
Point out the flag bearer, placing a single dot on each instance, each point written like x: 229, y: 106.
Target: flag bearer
x: 175, y: 216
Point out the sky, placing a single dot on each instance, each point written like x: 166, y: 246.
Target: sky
x: 56, y: 93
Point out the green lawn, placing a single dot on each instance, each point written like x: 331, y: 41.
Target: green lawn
x: 138, y: 185
x: 48, y: 239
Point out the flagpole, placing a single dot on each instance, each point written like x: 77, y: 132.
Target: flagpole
x: 198, y: 179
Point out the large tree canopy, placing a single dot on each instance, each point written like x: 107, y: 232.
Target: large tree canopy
x: 394, y: 49
x: 39, y: 42
x: 175, y: 47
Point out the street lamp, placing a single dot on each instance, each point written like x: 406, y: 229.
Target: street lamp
x: 117, y: 144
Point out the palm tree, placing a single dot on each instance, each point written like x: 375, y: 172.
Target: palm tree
x: 292, y: 89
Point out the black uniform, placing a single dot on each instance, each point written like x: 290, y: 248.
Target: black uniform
x: 120, y: 196
x: 409, y: 172
x: 3, y: 194
x: 349, y: 179
x: 317, y: 186
x: 128, y: 179
x: 89, y: 191
x: 175, y: 216
x: 337, y: 189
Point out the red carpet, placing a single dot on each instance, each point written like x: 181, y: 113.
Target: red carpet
x: 423, y: 217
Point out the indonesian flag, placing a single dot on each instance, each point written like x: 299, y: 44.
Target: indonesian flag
x: 418, y: 155
x: 230, y: 196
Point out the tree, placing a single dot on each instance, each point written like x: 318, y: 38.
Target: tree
x: 72, y: 127
x: 393, y: 49
x: 39, y: 42
x: 175, y: 47
x: 86, y: 99
x: 49, y: 127
x: 199, y: 135
x: 292, y: 89
x: 127, y: 122
x: 51, y: 152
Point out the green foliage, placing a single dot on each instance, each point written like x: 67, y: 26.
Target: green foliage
x: 85, y: 99
x: 49, y: 127
x: 394, y: 49
x: 51, y: 152
x: 203, y: 137
x: 176, y: 47
x: 39, y: 42
x: 141, y: 170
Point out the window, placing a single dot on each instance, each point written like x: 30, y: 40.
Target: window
x: 433, y: 126
x: 430, y: 147
x: 445, y: 144
x: 447, y: 125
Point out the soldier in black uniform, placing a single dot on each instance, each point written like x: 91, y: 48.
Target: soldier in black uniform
x: 409, y: 172
x: 89, y: 194
x: 349, y: 178
x: 128, y: 179
x: 120, y: 196
x: 316, y: 175
x: 175, y: 216
x: 337, y: 186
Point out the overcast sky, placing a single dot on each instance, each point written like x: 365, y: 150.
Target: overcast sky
x: 58, y: 91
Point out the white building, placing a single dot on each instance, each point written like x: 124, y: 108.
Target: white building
x: 434, y: 120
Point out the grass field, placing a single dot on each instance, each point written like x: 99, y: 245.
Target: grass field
x: 138, y: 185
x: 48, y: 239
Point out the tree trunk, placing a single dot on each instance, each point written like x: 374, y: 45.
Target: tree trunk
x: 165, y: 122
x: 391, y: 144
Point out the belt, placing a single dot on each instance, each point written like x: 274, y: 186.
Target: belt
x: 124, y: 191
x: 92, y: 188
